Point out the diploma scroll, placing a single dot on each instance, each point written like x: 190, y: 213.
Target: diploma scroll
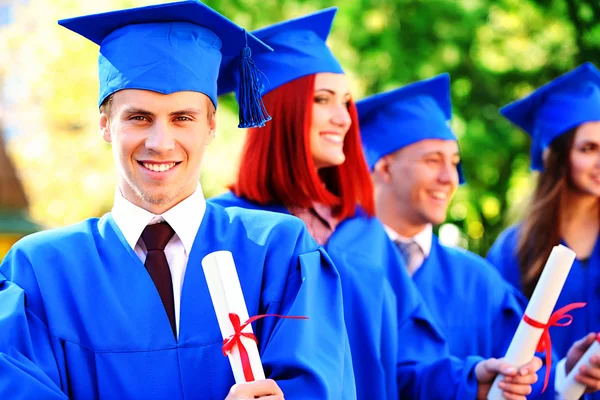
x: 527, y: 337
x: 228, y: 300
x: 571, y: 389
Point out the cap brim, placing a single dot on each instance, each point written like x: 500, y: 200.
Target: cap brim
x: 96, y: 27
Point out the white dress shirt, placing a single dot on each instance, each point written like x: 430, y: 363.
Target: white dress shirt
x: 185, y: 219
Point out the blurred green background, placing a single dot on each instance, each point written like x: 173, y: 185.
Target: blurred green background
x: 495, y: 51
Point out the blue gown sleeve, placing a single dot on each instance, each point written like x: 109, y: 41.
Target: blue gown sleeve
x: 444, y: 379
x: 426, y: 370
x: 511, y: 307
x: 29, y: 368
x: 389, y: 340
x: 503, y: 256
x: 310, y: 359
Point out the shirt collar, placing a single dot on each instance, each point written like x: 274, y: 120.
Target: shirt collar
x: 423, y: 238
x: 185, y: 218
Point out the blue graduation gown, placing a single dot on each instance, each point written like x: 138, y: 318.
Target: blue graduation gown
x: 380, y: 323
x: 80, y: 317
x: 477, y: 311
x: 582, y: 285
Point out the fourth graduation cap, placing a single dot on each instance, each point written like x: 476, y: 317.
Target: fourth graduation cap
x: 556, y: 107
x: 173, y: 47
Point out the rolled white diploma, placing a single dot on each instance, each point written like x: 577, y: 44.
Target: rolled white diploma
x: 571, y: 389
x: 524, y: 343
x: 227, y: 297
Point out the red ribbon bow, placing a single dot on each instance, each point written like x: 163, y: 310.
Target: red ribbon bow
x: 545, y: 343
x: 236, y: 339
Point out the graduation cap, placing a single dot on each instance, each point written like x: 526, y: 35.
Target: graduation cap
x: 173, y: 47
x: 395, y: 119
x: 300, y: 50
x: 557, y: 107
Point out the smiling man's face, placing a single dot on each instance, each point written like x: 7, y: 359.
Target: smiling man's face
x: 424, y: 176
x: 158, y: 143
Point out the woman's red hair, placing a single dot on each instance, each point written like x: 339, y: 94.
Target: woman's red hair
x: 276, y: 165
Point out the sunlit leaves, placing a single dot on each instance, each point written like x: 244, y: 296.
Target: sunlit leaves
x: 495, y: 50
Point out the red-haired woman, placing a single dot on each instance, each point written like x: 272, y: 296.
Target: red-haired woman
x: 563, y: 118
x: 308, y: 162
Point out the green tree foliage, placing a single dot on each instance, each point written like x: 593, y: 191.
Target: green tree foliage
x: 495, y: 51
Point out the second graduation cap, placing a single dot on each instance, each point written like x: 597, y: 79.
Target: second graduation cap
x: 398, y: 118
x: 299, y: 50
x: 557, y: 107
x: 173, y: 47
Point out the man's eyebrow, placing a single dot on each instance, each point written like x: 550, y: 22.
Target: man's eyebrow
x: 135, y: 110
x: 439, y: 153
x: 432, y: 153
x: 188, y: 111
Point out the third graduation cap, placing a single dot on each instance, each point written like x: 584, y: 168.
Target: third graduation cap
x: 299, y: 50
x: 173, y: 47
x: 395, y: 119
x: 553, y: 109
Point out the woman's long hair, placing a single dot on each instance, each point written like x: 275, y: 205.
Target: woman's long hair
x: 276, y: 165
x: 540, y: 229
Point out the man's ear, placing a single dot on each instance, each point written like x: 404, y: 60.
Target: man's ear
x: 212, y: 126
x: 381, y: 171
x: 105, y: 128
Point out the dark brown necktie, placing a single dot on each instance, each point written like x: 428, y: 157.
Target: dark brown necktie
x: 156, y: 237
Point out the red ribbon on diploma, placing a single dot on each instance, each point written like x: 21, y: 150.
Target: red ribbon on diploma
x: 545, y: 343
x: 236, y: 339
